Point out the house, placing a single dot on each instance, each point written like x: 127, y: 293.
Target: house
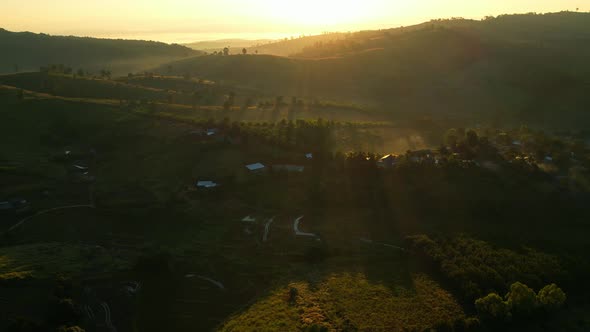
x: 206, y: 184
x: 288, y: 168
x: 257, y: 167
x: 387, y: 161
x: 6, y: 206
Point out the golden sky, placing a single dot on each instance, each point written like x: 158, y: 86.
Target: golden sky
x: 172, y: 20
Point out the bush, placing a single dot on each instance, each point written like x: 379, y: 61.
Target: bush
x: 551, y: 297
x: 493, y: 306
x: 472, y: 324
x: 521, y: 298
x: 476, y: 267
x: 293, y: 293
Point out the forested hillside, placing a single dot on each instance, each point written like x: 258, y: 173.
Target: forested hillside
x: 519, y: 67
x: 25, y: 51
x: 292, y: 46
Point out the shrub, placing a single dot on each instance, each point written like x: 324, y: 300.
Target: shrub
x: 551, y: 297
x: 472, y: 324
x: 293, y: 293
x: 476, y: 267
x: 493, y: 307
x: 521, y: 298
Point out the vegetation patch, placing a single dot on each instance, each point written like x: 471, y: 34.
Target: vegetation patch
x: 46, y: 260
x: 348, y: 302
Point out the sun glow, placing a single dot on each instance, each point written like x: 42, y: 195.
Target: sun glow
x: 319, y: 12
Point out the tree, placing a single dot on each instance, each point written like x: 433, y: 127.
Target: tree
x: 80, y: 72
x: 229, y: 101
x: 293, y: 293
x: 226, y: 51
x: 492, y: 306
x: 105, y: 74
x: 451, y: 138
x: 472, y: 138
x: 278, y: 102
x: 249, y: 102
x: 551, y: 297
x: 244, y: 51
x: 521, y: 298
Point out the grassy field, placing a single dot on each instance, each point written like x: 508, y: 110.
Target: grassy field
x: 53, y: 259
x: 350, y: 302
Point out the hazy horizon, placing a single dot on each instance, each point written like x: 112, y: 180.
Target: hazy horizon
x: 182, y: 21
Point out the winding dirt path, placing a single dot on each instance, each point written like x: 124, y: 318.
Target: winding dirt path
x: 296, y: 228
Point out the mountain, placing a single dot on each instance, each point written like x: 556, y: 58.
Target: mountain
x: 512, y: 66
x: 218, y: 45
x: 288, y: 47
x: 25, y: 51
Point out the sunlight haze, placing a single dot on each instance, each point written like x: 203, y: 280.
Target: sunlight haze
x: 185, y: 20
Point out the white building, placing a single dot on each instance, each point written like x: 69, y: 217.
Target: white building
x: 255, y: 167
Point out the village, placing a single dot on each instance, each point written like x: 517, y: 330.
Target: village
x: 564, y: 159
x: 249, y: 199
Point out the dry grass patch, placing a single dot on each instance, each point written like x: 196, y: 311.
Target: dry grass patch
x: 350, y: 301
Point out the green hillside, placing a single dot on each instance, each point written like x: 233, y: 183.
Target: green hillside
x: 292, y: 46
x: 25, y: 51
x: 505, y: 67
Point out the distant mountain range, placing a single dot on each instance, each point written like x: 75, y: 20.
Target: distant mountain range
x: 218, y: 45
x: 278, y: 47
x: 26, y: 51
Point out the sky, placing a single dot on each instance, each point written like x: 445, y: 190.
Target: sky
x: 192, y: 20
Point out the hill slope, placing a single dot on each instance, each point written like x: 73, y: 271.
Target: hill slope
x: 218, y: 45
x: 28, y: 51
x: 522, y: 65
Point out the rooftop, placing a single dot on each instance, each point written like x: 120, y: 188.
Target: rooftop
x: 206, y: 184
x: 255, y: 167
